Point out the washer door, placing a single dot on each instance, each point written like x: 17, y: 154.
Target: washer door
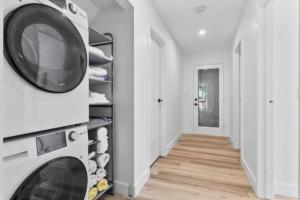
x: 45, y: 48
x: 60, y: 179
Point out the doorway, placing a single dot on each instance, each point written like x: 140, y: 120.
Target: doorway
x: 208, y: 100
x: 237, y: 140
x: 155, y: 100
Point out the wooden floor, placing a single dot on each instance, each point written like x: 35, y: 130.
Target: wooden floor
x: 198, y: 168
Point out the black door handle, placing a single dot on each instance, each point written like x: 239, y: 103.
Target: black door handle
x: 160, y: 100
x: 196, y: 104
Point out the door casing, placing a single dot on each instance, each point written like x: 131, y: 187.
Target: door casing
x: 208, y: 130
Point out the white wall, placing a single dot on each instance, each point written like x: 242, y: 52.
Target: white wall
x: 189, y: 61
x: 1, y: 99
x: 132, y: 142
x: 247, y: 33
x: 286, y: 120
x: 146, y: 15
x: 119, y: 22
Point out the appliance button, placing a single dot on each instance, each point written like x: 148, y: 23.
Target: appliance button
x: 73, y: 8
x: 73, y: 136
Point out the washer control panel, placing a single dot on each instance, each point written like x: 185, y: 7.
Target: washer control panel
x: 59, y: 3
x: 50, y: 142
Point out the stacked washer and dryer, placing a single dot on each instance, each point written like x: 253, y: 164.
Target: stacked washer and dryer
x: 46, y: 88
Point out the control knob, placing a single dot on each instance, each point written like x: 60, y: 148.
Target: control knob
x: 73, y: 136
x: 73, y: 8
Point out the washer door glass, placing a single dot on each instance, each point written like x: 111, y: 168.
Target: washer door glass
x: 45, y: 48
x: 60, y: 179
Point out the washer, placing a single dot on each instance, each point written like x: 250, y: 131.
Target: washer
x: 45, y: 79
x: 52, y: 165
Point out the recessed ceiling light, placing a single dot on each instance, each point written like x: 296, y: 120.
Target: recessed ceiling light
x: 202, y: 32
x: 200, y: 9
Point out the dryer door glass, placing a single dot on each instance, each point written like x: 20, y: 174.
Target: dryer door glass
x: 45, y: 48
x: 60, y: 179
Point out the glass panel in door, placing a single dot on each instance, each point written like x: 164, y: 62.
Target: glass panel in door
x: 208, y: 98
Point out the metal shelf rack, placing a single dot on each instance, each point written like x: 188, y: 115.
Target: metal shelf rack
x: 102, y: 115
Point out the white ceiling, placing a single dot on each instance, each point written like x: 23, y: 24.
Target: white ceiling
x: 221, y: 20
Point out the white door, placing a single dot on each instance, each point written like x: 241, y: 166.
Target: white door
x: 154, y: 98
x: 208, y: 100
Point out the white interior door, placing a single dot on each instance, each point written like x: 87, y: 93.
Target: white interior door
x: 208, y: 100
x: 154, y: 101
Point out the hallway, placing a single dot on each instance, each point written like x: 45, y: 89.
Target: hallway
x: 198, y: 168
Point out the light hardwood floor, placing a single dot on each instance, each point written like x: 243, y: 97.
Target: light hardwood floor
x: 198, y: 168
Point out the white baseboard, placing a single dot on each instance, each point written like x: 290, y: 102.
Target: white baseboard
x: 188, y: 132
x: 170, y: 146
x: 140, y: 183
x: 249, y: 173
x: 121, y: 188
x: 286, y: 190
x: 234, y: 143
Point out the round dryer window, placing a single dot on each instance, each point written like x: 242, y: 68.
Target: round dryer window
x: 60, y: 179
x: 45, y: 48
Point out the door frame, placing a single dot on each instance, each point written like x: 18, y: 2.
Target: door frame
x: 154, y: 35
x: 212, y: 131
x: 237, y: 96
x: 265, y: 136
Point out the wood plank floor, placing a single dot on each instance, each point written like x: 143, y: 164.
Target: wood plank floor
x: 198, y: 168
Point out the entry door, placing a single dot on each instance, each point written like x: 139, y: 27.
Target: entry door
x: 208, y: 100
x: 154, y: 101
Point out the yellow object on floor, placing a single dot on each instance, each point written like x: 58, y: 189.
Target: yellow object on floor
x: 102, y: 185
x: 93, y: 193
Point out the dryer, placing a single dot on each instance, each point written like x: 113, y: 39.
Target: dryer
x: 50, y: 165
x: 45, y: 79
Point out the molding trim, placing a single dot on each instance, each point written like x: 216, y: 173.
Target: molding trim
x: 286, y: 189
x: 171, y: 145
x: 121, y: 188
x: 249, y: 174
x: 188, y: 132
x: 139, y: 184
x: 233, y: 143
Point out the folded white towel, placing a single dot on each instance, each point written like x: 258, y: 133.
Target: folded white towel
x: 102, y: 146
x: 97, y: 98
x: 92, y: 167
x: 101, y: 173
x: 97, y: 71
x: 93, y: 179
x: 103, y: 160
x: 102, y: 134
x: 96, y: 95
x: 97, y: 56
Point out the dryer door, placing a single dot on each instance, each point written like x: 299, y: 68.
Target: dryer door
x: 45, y: 48
x: 60, y: 179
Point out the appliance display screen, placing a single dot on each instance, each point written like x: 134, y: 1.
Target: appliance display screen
x: 59, y: 3
x: 48, y: 143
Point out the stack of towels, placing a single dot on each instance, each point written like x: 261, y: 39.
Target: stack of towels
x: 97, y: 98
x: 99, y: 73
x: 102, y: 147
x: 96, y: 169
x: 102, y: 138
